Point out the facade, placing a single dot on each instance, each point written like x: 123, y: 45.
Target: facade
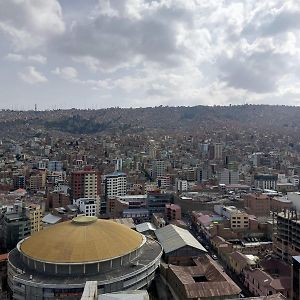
x: 55, y: 166
x: 286, y: 241
x: 87, y: 206
x: 296, y: 278
x: 257, y: 204
x: 35, y: 214
x: 37, y: 181
x: 228, y: 177
x: 119, y: 259
x: 156, y: 202
x: 173, y: 212
x: 163, y: 181
x: 115, y: 185
x: 16, y: 226
x: 238, y: 219
x: 265, y: 181
x: 85, y: 183
x: 181, y: 185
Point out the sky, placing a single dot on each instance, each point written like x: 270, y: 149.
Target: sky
x: 140, y: 53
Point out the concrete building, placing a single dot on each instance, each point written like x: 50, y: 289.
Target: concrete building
x: 85, y: 183
x: 238, y: 219
x: 265, y: 181
x: 35, y: 214
x: 159, y: 168
x: 115, y: 185
x: 228, y: 177
x: 257, y: 204
x: 16, y: 226
x: 156, y: 202
x: 286, y: 240
x: 88, y: 206
x: 55, y: 166
x: 173, y: 212
x: 163, y: 182
x: 296, y: 278
x: 37, y: 181
x: 181, y: 185
x: 57, y: 262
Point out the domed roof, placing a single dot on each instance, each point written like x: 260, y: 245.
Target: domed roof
x: 84, y: 239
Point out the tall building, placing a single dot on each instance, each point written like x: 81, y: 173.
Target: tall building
x: 37, y: 181
x: 35, y: 214
x: 218, y: 151
x: 228, y: 177
x: 286, y: 239
x: 215, y: 151
x: 115, y: 184
x: 85, y: 183
x: 16, y: 226
x: 296, y: 278
x: 159, y: 168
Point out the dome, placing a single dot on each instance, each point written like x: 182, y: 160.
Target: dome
x: 84, y: 239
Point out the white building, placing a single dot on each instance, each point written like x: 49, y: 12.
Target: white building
x: 115, y: 184
x: 87, y: 206
x: 181, y: 185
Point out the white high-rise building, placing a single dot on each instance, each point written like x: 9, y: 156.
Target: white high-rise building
x: 115, y: 184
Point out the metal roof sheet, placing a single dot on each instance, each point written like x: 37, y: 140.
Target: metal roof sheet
x: 173, y: 237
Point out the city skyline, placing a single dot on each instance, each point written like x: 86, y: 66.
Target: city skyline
x: 140, y: 53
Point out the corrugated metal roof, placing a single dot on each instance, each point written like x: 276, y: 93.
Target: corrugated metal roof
x: 173, y: 237
x: 145, y: 227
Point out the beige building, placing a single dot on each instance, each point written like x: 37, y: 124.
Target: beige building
x: 238, y: 219
x: 37, y: 181
x: 35, y: 214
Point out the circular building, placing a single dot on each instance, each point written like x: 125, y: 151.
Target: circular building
x: 56, y: 262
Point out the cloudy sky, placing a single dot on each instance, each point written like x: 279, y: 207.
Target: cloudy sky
x: 137, y: 53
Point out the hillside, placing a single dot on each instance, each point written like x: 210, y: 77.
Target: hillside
x: 167, y: 119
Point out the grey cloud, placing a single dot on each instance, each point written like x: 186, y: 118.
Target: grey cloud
x: 114, y: 40
x: 258, y: 72
x: 271, y: 25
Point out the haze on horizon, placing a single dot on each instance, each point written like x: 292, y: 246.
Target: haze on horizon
x: 141, y: 53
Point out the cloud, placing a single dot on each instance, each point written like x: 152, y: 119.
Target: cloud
x: 14, y: 57
x: 28, y: 24
x: 38, y: 59
x: 32, y: 76
x: 152, y: 52
x: 68, y: 73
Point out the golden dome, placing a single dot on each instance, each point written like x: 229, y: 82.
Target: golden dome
x: 84, y: 239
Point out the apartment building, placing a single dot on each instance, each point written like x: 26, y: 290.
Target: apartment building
x: 85, y: 183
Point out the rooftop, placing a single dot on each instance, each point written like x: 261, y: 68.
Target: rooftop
x: 84, y: 239
x: 173, y: 237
